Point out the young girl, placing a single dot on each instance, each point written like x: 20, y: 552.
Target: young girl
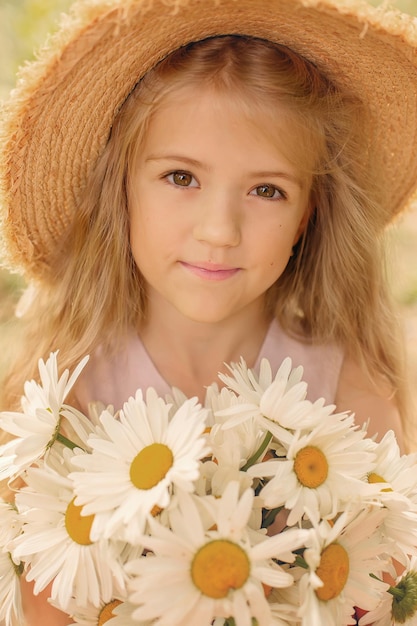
x: 185, y: 186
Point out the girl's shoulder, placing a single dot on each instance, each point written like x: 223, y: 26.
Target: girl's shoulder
x: 372, y: 400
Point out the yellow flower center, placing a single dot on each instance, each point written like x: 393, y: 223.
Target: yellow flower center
x: 78, y: 526
x: 151, y: 465
x: 376, y: 478
x: 218, y: 567
x: 333, y: 570
x: 106, y: 612
x: 311, y: 467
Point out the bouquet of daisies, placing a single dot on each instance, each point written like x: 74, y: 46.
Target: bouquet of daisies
x: 259, y: 508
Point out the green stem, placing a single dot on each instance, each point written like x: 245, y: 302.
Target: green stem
x: 394, y: 591
x: 66, y: 442
x: 270, y: 516
x: 397, y: 593
x: 258, y: 453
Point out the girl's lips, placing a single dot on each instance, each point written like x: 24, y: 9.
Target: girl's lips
x: 210, y: 271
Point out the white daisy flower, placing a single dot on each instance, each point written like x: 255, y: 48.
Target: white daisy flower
x: 208, y: 574
x: 233, y: 449
x: 399, y: 470
x: 55, y: 542
x: 284, y: 604
x: 323, y: 469
x: 10, y: 570
x: 399, y: 606
x: 10, y: 523
x: 122, y: 616
x: 238, y: 445
x: 244, y: 382
x: 216, y: 477
x: 397, y: 476
x: 340, y: 559
x: 11, y: 610
x: 381, y: 616
x: 277, y: 403
x: 105, y: 613
x: 137, y: 462
x: 38, y: 426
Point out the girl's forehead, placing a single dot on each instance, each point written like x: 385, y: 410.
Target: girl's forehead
x: 273, y: 118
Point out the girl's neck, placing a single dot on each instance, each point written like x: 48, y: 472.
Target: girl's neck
x: 189, y: 355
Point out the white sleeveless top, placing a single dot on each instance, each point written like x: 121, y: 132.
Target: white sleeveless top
x: 112, y: 380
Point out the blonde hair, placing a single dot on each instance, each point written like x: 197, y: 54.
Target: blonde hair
x: 95, y: 291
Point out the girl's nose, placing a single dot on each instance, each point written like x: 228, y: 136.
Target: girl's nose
x: 218, y: 221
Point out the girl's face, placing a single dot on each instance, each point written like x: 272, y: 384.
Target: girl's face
x: 215, y: 209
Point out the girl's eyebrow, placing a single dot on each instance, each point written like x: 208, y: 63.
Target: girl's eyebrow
x: 177, y: 157
x: 292, y: 178
x: 255, y: 174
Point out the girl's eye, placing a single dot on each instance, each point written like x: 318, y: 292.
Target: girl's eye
x: 268, y: 191
x: 182, y: 179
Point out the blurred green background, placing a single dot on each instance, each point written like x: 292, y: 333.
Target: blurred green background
x: 24, y: 24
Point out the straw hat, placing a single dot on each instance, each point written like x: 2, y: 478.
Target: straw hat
x: 58, y: 118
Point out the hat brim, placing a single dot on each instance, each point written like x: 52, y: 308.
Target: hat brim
x: 59, y: 117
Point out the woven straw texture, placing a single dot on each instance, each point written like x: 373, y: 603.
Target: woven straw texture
x: 58, y: 118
